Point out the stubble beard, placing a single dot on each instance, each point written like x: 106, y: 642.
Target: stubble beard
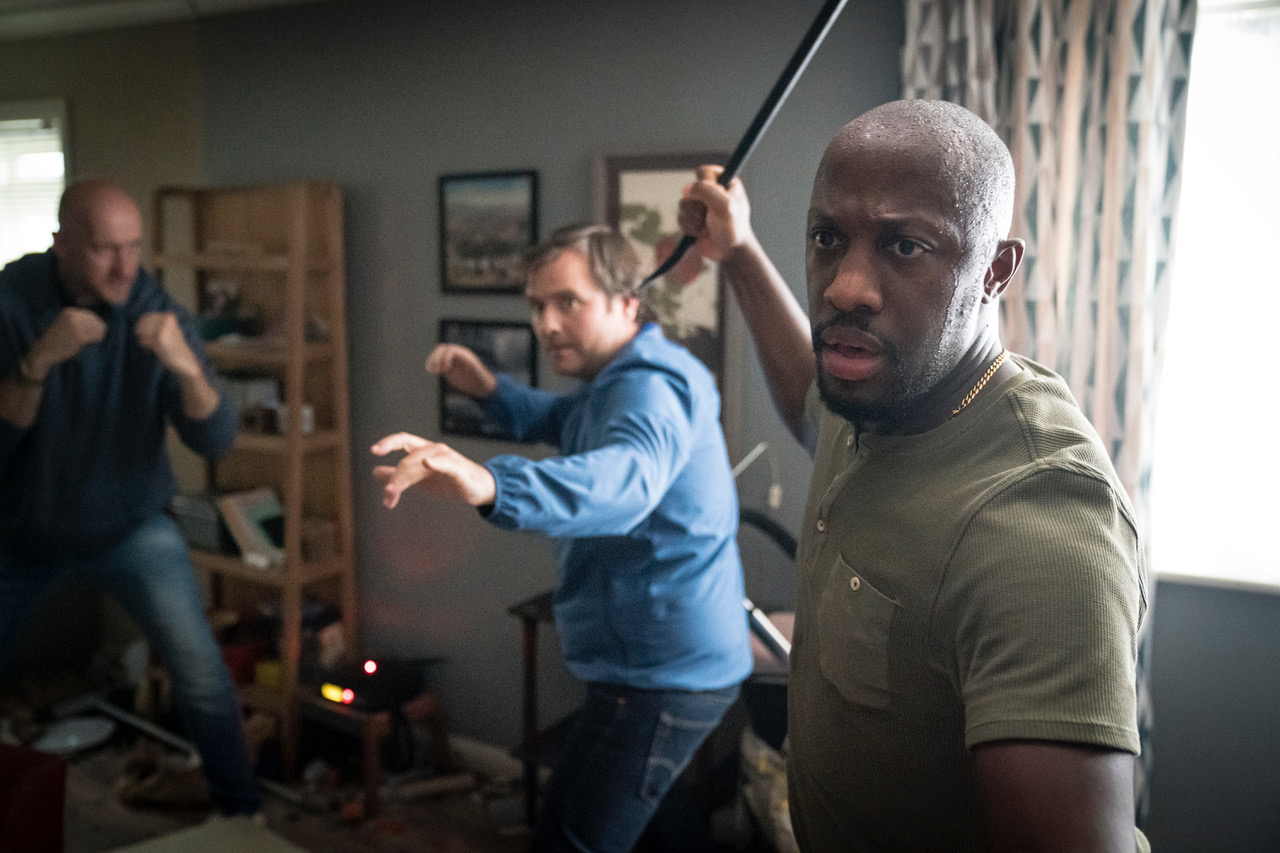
x: 859, y: 412
x: 901, y: 396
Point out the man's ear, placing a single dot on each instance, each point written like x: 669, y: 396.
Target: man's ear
x: 630, y: 307
x: 1006, y: 262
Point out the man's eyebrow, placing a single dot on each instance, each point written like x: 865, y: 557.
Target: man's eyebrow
x: 557, y: 294
x: 907, y: 220
x: 817, y: 217
x: 892, y: 219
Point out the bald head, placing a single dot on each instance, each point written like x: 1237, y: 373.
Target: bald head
x: 906, y: 259
x: 950, y: 147
x: 82, y: 201
x: 98, y: 242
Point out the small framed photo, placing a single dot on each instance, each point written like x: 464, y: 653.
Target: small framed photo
x: 507, y: 348
x: 639, y: 194
x: 488, y: 220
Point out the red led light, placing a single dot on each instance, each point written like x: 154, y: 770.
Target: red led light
x: 370, y: 666
x: 348, y: 696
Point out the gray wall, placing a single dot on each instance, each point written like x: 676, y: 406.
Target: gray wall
x: 1215, y: 681
x: 385, y: 96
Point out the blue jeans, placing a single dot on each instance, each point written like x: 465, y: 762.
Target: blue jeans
x: 626, y: 749
x: 149, y: 573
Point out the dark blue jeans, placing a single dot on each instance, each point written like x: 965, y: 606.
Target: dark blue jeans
x: 150, y: 575
x: 625, y: 751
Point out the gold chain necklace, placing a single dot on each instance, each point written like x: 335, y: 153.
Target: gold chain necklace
x: 973, y: 392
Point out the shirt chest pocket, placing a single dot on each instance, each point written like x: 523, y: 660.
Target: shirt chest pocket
x: 854, y: 619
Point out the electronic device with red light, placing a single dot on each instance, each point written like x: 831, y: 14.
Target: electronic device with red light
x: 376, y: 685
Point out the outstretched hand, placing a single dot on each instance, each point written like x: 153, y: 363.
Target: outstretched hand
x: 462, y: 369
x: 436, y: 467
x: 718, y: 219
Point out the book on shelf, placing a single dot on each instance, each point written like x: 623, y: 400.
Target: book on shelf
x: 256, y: 521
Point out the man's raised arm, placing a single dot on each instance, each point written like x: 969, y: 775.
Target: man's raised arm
x: 462, y: 369
x: 720, y: 220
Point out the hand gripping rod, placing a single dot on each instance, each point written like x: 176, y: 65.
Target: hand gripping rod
x: 795, y: 67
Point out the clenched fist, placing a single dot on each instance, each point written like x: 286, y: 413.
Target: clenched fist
x: 718, y: 219
x: 71, y: 331
x: 159, y: 332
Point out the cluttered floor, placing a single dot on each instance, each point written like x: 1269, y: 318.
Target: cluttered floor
x: 125, y: 784
x: 96, y: 818
x: 130, y: 790
x: 128, y: 793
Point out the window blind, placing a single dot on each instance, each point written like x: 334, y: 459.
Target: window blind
x: 32, y: 177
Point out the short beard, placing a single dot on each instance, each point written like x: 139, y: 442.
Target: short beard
x: 899, y: 404
x: 857, y: 412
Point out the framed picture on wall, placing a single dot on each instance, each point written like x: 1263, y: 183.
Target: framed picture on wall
x: 639, y: 194
x: 487, y: 222
x: 507, y: 348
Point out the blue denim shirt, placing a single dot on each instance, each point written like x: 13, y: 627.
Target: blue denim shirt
x: 95, y: 464
x: 644, y: 513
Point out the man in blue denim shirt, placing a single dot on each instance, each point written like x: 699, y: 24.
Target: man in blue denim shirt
x: 643, y: 510
x: 95, y: 361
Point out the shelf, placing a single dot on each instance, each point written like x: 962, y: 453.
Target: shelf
x: 235, y: 567
x: 312, y: 572
x: 280, y: 246
x: 248, y: 262
x: 345, y: 718
x: 253, y: 352
x: 261, y: 442
x: 539, y: 608
x: 261, y: 699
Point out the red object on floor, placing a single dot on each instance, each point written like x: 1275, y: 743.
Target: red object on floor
x: 33, y: 788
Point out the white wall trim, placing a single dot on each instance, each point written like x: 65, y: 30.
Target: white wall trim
x: 1220, y: 583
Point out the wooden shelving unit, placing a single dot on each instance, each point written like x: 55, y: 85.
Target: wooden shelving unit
x: 280, y: 248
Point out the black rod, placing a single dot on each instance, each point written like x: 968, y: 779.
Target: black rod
x: 777, y: 96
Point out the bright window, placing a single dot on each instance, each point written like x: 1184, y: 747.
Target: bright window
x: 32, y: 175
x: 1215, y: 489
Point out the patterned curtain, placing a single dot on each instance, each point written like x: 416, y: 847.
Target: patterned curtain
x: 1091, y: 99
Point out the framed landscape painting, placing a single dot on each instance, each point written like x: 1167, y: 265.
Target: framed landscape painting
x: 640, y: 196
x: 503, y: 348
x: 487, y: 222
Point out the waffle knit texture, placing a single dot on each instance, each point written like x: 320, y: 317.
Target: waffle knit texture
x: 981, y: 581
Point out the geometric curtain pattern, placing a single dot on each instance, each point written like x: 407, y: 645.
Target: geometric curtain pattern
x: 1091, y: 99
x: 949, y: 54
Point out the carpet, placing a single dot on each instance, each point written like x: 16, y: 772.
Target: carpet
x: 217, y: 835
